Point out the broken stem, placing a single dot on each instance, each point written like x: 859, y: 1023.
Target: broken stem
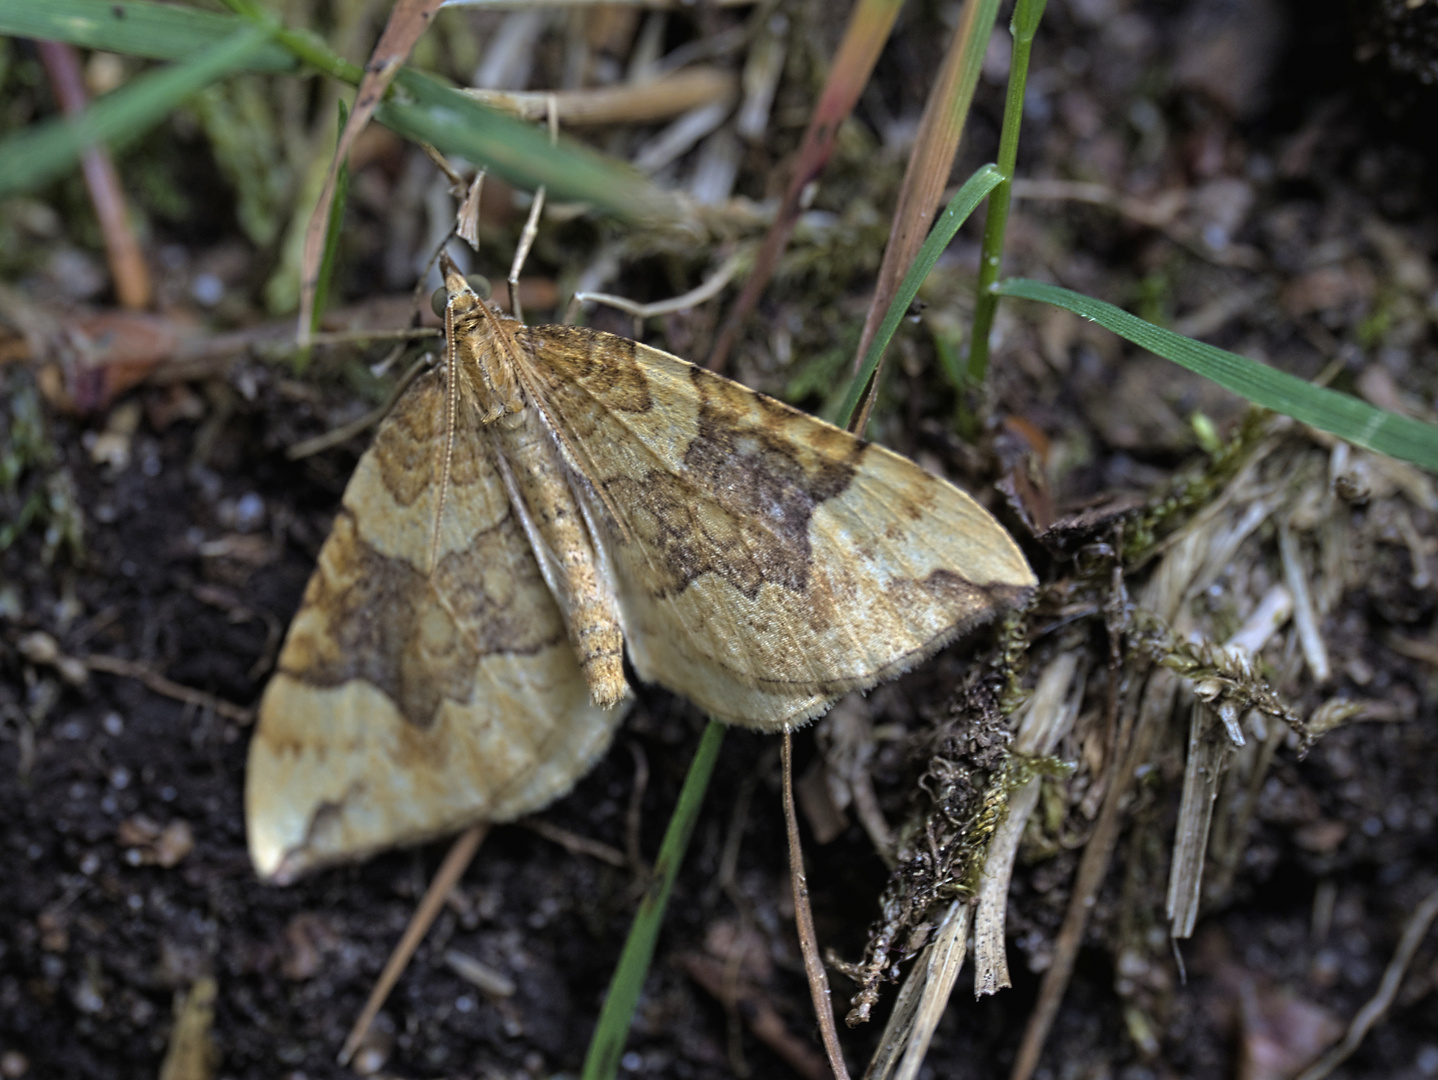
x: 461, y: 853
x: 1157, y: 703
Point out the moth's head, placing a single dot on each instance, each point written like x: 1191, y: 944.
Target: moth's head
x: 459, y: 294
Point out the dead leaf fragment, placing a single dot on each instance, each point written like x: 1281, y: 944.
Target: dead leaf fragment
x: 112, y: 446
x: 308, y: 938
x: 54, y: 932
x: 192, y: 1054
x: 151, y: 844
x: 1325, y: 289
x: 43, y: 650
x: 1321, y: 837
x: 1280, y: 1032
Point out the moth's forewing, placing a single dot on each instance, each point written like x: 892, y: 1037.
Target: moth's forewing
x: 766, y: 562
x: 408, y: 704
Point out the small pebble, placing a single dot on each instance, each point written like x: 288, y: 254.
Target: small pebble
x: 1427, y: 1061
x: 207, y: 289
x: 249, y: 512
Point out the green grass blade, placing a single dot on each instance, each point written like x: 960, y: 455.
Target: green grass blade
x: 1023, y: 26
x: 45, y: 151
x: 519, y: 152
x: 1336, y: 413
x: 612, y: 1031
x: 134, y: 28
x: 333, y: 228
x: 428, y: 110
x: 965, y: 200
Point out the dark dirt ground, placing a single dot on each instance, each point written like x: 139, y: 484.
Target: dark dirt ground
x: 1302, y: 198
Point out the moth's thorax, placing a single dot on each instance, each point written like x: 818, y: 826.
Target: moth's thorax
x: 484, y: 355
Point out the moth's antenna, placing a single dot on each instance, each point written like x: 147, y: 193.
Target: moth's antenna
x: 451, y: 418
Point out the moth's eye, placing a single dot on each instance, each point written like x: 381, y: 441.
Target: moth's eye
x: 437, y: 301
x: 480, y: 284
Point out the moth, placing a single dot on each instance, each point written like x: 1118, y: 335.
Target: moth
x: 550, y: 498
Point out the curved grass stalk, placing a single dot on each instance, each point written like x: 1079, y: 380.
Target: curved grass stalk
x: 1338, y: 414
x: 610, y: 1034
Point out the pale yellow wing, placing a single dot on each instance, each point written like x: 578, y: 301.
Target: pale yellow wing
x: 766, y: 562
x: 406, y: 704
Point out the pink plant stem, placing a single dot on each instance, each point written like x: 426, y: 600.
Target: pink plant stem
x: 127, y: 262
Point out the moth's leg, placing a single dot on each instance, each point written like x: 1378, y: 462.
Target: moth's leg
x: 345, y: 432
x: 531, y: 225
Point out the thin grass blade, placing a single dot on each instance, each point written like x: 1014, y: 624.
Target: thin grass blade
x: 134, y: 28
x: 435, y: 113
x: 521, y: 154
x: 976, y: 188
x: 612, y: 1031
x: 1024, y: 25
x: 46, y: 151
x: 427, y: 110
x: 932, y: 160
x: 334, y: 226
x: 1336, y: 413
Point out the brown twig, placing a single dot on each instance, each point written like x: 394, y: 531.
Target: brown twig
x: 864, y: 37
x: 1093, y: 868
x: 1413, y: 933
x: 575, y: 844
x: 630, y: 103
x: 764, y: 1020
x: 932, y: 159
x: 461, y: 853
x: 130, y: 669
x: 804, y: 921
x: 633, y: 817
x: 122, y: 248
x: 407, y: 21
